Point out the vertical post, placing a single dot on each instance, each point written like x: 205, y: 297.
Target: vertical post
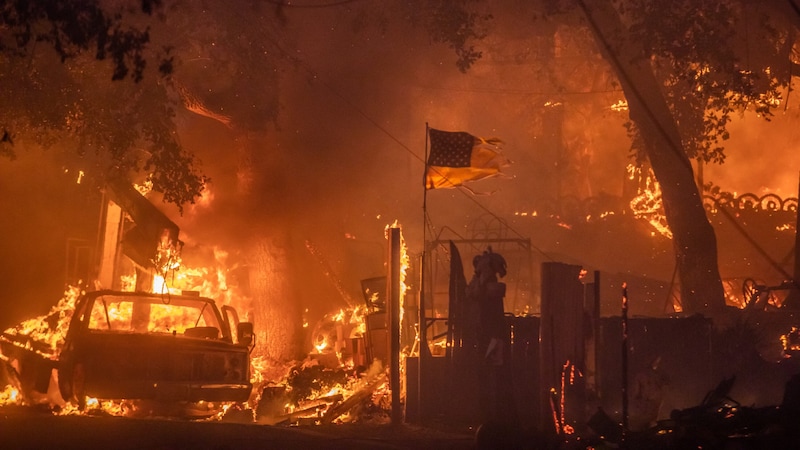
x: 423, y: 340
x: 592, y: 307
x: 108, y: 243
x: 624, y: 363
x: 561, y: 339
x: 393, y: 291
x: 423, y: 321
x: 796, y: 286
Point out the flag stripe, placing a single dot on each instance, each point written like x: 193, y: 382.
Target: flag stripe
x: 457, y: 157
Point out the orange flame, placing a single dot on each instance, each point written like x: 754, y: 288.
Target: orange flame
x: 648, y: 204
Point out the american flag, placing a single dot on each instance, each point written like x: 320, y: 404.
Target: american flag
x: 457, y: 157
x: 450, y: 149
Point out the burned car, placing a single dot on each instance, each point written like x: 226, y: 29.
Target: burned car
x: 143, y: 346
x: 150, y: 346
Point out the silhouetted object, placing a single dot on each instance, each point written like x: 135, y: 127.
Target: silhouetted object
x: 495, y: 435
x: 791, y: 397
x: 486, y: 293
x: 374, y: 292
x: 562, y: 339
x: 790, y: 411
x: 625, y: 351
x: 715, y: 398
x: 793, y: 299
x: 605, y: 427
x: 647, y: 395
x: 153, y: 235
x: 463, y: 315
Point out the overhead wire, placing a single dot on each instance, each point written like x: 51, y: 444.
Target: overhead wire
x: 673, y: 146
x: 322, y: 4
x: 344, y: 98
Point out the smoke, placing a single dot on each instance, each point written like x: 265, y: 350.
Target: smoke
x: 354, y: 90
x: 762, y: 155
x: 43, y: 232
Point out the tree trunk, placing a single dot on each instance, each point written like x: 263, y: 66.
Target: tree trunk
x: 693, y: 239
x: 276, y: 315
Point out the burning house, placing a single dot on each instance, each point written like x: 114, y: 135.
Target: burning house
x: 594, y: 335
x: 149, y: 342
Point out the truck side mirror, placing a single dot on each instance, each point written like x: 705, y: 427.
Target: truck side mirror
x: 245, y: 334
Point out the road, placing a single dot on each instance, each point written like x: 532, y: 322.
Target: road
x: 23, y: 428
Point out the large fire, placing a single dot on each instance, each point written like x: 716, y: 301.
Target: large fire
x: 336, y: 383
x: 325, y: 387
x: 45, y: 334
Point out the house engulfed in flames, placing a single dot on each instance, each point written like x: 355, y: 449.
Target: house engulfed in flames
x: 182, y: 353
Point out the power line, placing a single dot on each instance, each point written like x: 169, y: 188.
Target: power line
x: 517, y: 91
x: 367, y: 117
x: 293, y: 5
x: 794, y: 7
x: 673, y: 146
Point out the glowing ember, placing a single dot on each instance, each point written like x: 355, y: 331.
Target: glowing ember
x: 648, y: 204
x: 791, y: 341
x: 336, y: 330
x: 258, y: 367
x: 145, y: 187
x: 568, y: 368
x: 9, y: 395
x: 621, y: 105
x: 328, y: 386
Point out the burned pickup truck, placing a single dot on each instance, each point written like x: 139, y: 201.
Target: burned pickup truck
x: 141, y: 346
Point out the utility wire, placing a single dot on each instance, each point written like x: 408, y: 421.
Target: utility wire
x: 362, y: 113
x: 676, y: 147
x: 295, y: 5
x: 673, y: 146
x: 794, y: 7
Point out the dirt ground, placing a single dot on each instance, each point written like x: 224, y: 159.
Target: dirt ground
x: 26, y: 428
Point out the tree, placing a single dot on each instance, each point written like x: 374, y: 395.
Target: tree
x: 54, y: 64
x: 686, y: 68
x: 452, y: 23
x: 679, y: 67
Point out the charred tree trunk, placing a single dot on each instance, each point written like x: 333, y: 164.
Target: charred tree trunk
x: 277, y: 316
x: 694, y: 240
x: 693, y: 237
x: 277, y: 313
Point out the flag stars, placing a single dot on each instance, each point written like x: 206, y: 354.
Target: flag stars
x: 450, y: 149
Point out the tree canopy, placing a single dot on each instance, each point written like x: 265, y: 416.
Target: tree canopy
x: 685, y: 70
x: 102, y: 82
x: 76, y: 81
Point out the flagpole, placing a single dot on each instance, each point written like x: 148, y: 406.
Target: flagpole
x: 423, y: 329
x: 425, y: 185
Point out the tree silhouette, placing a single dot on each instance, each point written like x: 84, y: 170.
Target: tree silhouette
x: 74, y: 79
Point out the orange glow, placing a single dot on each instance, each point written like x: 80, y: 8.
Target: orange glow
x: 346, y: 326
x: 333, y: 336
x: 9, y: 395
x: 791, y: 340
x: 568, y: 375
x: 45, y: 334
x: 648, y: 204
x: 620, y: 106
x: 43, y: 330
